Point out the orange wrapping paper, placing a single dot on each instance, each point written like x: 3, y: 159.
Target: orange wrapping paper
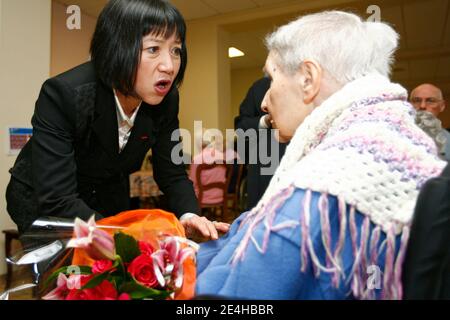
x: 146, y: 225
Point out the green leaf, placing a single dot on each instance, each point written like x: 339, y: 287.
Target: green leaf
x: 120, y: 267
x: 117, y: 281
x: 98, y: 279
x: 126, y: 247
x: 65, y: 270
x: 95, y: 281
x: 138, y: 292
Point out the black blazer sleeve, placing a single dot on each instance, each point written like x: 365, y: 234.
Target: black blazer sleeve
x: 250, y: 112
x: 171, y: 178
x: 426, y: 270
x: 54, y: 167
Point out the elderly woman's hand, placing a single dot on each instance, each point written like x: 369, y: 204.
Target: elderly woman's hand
x: 201, y: 229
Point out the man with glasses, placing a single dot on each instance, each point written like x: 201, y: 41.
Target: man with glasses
x: 427, y: 97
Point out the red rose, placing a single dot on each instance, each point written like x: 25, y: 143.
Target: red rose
x: 87, y: 294
x: 101, y: 266
x: 104, y: 291
x: 142, y: 271
x: 146, y: 248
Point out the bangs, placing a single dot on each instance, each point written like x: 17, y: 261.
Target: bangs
x: 164, y: 22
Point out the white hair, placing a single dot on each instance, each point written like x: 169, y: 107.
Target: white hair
x: 344, y: 45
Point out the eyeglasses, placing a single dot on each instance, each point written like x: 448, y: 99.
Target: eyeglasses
x: 428, y: 101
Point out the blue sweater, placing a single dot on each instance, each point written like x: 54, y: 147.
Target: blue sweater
x: 276, y: 274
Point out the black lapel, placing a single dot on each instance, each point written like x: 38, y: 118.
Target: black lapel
x: 143, y: 134
x: 105, y: 122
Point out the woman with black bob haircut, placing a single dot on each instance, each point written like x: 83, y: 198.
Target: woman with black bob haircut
x: 116, y: 48
x: 93, y: 125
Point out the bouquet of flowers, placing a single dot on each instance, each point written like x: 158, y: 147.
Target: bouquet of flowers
x: 140, y: 254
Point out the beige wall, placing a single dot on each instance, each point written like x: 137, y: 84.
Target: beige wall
x: 207, y: 91
x: 69, y: 47
x: 199, y: 94
x: 224, y: 79
x: 1, y: 37
x: 241, y: 81
x: 24, y: 65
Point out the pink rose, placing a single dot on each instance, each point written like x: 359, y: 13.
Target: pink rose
x: 101, y: 266
x: 142, y: 271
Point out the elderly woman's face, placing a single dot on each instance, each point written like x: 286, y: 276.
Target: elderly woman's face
x: 158, y: 68
x: 284, y: 100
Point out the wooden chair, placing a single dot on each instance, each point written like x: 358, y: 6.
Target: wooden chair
x: 10, y: 235
x: 223, y: 186
x: 233, y: 197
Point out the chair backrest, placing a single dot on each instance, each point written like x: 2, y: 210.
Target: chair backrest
x: 234, y: 189
x: 236, y: 173
x: 222, y: 185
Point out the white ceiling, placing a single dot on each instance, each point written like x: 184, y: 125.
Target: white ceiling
x: 191, y: 9
x: 424, y: 27
x: 195, y: 9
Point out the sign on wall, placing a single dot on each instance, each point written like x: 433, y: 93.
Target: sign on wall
x: 17, y: 138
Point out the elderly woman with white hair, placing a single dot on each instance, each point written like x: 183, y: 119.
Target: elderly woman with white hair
x: 335, y: 219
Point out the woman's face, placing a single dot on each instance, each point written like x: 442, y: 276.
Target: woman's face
x: 284, y: 100
x: 158, y: 68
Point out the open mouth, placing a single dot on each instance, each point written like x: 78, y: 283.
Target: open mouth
x: 163, y: 84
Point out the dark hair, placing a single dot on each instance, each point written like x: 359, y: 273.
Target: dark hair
x: 117, y: 42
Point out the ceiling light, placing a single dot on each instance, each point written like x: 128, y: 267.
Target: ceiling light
x: 234, y: 53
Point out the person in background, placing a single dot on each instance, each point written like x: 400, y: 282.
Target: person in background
x: 428, y: 97
x: 212, y: 151
x: 334, y: 222
x: 252, y: 117
x: 94, y: 124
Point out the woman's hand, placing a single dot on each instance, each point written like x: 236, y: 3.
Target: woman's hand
x: 201, y: 229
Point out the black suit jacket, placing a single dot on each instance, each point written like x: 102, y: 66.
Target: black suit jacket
x: 426, y: 271
x: 250, y: 114
x: 72, y: 167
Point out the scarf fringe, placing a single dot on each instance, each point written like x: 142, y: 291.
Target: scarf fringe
x: 268, y: 216
x: 366, y: 251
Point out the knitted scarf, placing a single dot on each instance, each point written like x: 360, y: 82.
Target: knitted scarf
x: 362, y: 146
